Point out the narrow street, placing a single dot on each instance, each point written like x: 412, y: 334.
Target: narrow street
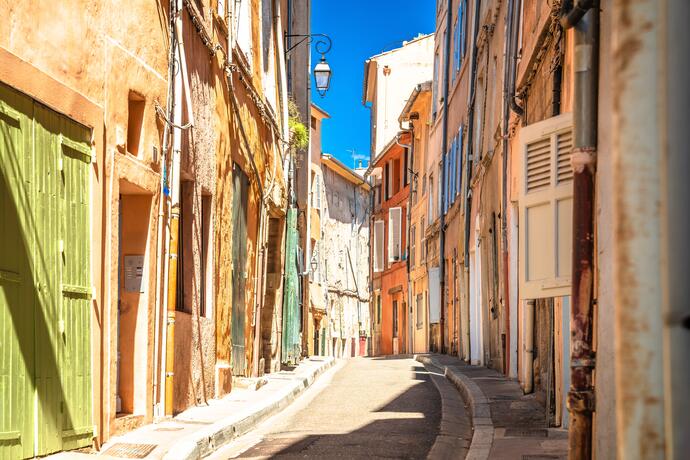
x: 364, y: 408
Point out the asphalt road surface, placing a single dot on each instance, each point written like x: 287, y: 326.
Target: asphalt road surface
x: 362, y: 408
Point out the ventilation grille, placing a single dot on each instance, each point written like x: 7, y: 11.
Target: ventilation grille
x: 564, y: 144
x: 538, y: 165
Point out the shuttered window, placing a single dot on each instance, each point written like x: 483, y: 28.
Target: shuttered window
x: 458, y: 161
x: 413, y: 246
x: 394, y: 234
x: 378, y: 246
x: 546, y: 208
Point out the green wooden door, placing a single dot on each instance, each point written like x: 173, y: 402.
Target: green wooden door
x: 17, y: 294
x: 44, y: 308
x: 240, y: 197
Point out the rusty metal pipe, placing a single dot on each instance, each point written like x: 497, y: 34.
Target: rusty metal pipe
x: 582, y: 360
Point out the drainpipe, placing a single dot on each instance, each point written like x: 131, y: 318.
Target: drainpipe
x: 507, y: 71
x: 468, y: 163
x: 174, y: 215
x: 408, y: 219
x: 442, y: 184
x: 583, y: 160
x: 162, y: 262
x: 528, y: 350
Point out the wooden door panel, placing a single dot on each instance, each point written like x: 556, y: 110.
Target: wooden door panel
x: 239, y: 263
x: 16, y: 285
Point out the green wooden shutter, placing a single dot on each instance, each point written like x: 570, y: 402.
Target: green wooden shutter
x: 45, y: 327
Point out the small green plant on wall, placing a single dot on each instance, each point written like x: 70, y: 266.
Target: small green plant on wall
x: 299, y: 135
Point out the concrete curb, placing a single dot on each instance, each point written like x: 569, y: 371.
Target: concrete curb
x: 206, y: 441
x: 482, y: 424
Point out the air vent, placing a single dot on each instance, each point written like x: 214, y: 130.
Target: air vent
x: 564, y: 144
x: 538, y: 165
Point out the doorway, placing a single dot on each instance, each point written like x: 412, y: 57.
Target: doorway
x: 240, y: 197
x: 132, y: 302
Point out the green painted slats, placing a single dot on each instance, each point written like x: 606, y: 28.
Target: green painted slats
x: 16, y: 283
x: 75, y: 314
x: 291, y: 317
x: 240, y: 197
x: 45, y: 330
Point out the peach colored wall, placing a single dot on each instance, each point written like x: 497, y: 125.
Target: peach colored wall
x: 86, y: 70
x: 394, y: 274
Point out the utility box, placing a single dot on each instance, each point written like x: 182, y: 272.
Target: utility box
x: 134, y: 273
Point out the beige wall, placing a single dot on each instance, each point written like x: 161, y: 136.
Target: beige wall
x: 392, y: 77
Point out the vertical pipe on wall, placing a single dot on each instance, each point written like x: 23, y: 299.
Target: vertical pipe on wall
x: 161, y: 246
x: 583, y: 160
x: 508, y: 71
x: 528, y: 348
x: 676, y: 224
x: 442, y: 181
x: 468, y: 166
x: 174, y: 216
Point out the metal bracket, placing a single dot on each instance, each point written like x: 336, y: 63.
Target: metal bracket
x: 581, y: 401
x: 308, y: 38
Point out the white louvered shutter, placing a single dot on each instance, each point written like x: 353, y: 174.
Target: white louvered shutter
x: 378, y: 246
x: 394, y: 230
x: 546, y: 197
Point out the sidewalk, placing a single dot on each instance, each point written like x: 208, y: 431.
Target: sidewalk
x: 506, y: 423
x: 200, y: 430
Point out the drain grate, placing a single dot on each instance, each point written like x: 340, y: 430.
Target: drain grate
x: 170, y: 428
x: 526, y: 433
x: 125, y: 450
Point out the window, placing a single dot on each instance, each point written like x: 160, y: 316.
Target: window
x: 397, y: 179
x: 205, y: 305
x: 244, y: 29
x: 395, y: 318
x: 446, y: 181
x: 387, y: 179
x: 430, y: 207
x: 316, y: 193
x: 406, y: 167
x: 439, y: 203
x: 394, y: 234
x: 420, y: 310
x: 434, y: 92
x: 378, y: 246
x: 378, y: 308
x: 183, y: 299
x: 422, y: 237
x: 413, y: 248
x: 478, y: 119
x: 545, y: 207
x: 459, y: 37
x: 135, y: 118
x: 459, y: 163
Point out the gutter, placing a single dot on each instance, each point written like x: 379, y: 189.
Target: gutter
x: 584, y: 17
x: 442, y: 183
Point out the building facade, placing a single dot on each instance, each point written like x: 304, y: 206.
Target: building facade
x: 415, y: 116
x: 144, y: 181
x: 389, y: 79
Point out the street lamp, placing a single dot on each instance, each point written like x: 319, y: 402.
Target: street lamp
x: 322, y: 76
x: 322, y: 71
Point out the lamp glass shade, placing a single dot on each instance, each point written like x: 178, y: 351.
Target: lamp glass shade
x: 322, y: 76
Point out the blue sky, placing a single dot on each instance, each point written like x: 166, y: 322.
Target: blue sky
x: 359, y: 29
